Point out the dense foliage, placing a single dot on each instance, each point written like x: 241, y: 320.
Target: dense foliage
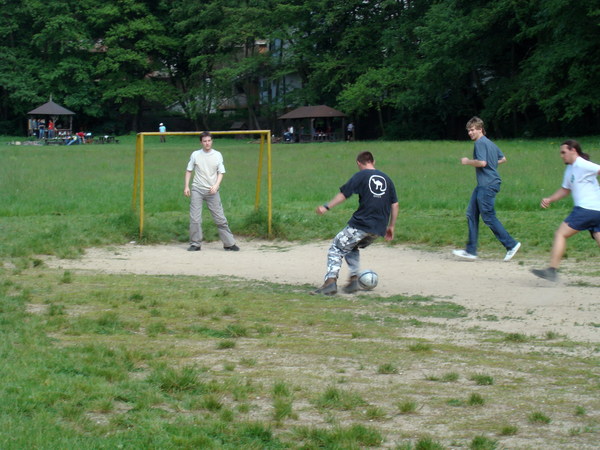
x: 399, y: 68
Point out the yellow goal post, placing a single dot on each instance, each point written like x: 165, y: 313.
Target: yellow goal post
x: 137, y: 201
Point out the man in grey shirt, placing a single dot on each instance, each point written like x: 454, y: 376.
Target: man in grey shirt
x: 207, y: 166
x: 486, y: 158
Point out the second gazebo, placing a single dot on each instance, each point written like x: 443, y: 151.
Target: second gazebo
x: 315, y: 123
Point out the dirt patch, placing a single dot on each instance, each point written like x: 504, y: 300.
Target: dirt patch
x: 499, y: 296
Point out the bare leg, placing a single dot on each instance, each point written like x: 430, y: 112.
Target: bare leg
x: 597, y: 237
x: 559, y: 246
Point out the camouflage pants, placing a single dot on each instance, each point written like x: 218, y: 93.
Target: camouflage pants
x: 346, y: 245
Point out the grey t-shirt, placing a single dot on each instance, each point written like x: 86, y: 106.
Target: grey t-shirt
x: 486, y: 150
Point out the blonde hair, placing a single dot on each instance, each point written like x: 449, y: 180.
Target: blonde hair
x: 476, y: 122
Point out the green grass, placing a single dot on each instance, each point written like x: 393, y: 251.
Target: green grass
x: 60, y: 200
x: 132, y: 361
x: 119, y: 360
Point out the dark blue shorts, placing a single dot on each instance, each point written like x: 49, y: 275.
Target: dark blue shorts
x: 584, y: 219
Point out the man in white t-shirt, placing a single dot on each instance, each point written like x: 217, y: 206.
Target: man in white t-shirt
x: 208, y: 169
x: 580, y: 180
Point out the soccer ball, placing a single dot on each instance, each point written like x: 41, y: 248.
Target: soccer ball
x: 368, y: 279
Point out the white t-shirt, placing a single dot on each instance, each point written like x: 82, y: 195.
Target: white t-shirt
x: 206, y: 167
x: 581, y: 178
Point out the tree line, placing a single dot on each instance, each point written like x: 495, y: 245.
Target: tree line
x: 398, y: 68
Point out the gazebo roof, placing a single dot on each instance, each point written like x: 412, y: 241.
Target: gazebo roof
x: 312, y: 112
x: 51, y: 109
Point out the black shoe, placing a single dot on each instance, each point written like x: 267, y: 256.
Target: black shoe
x: 194, y: 248
x: 232, y: 248
x: 547, y: 274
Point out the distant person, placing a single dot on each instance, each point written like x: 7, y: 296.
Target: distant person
x: 350, y: 132
x: 581, y: 180
x: 376, y: 216
x: 486, y: 158
x: 207, y: 167
x: 50, y: 129
x: 41, y: 129
x: 162, y: 129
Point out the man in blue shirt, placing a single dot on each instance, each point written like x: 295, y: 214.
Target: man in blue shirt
x: 376, y: 216
x: 486, y: 158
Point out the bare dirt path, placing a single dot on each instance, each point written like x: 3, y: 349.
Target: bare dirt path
x: 500, y: 296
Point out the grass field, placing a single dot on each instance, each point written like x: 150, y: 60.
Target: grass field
x: 132, y: 361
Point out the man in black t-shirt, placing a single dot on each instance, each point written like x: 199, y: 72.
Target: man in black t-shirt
x: 376, y: 216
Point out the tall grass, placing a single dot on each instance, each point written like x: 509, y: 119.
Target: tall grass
x: 59, y: 200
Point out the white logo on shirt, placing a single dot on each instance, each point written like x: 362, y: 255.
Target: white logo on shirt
x: 377, y: 185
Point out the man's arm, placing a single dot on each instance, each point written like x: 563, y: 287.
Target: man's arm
x: 215, y: 187
x: 389, y: 232
x: 339, y: 198
x: 473, y: 162
x: 186, y: 188
x: 561, y: 193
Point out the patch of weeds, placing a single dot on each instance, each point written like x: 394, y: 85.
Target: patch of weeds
x: 475, y: 399
x: 594, y: 324
x: 455, y: 402
x: 334, y: 398
x: 515, y: 337
x: 281, y: 389
x: 539, y: 418
x: 226, y: 344
x: 211, y: 403
x: 482, y: 379
x: 204, y: 311
x: 387, y: 369
x: 37, y: 262
x: 550, y: 335
x: 264, y: 330
x: 428, y: 443
x: 357, y: 335
x: 355, y: 436
x: 407, y: 407
x: 67, y: 277
x: 236, y: 330
x: 229, y: 367
x: 248, y: 362
x: 208, y: 332
x: 156, y: 328
x: 136, y: 297
x: 56, y: 310
x: 449, y: 377
x: 509, y: 430
x: 420, y: 347
x: 171, y: 379
x: 491, y: 318
x: 283, y: 408
x: 229, y: 310
x: 374, y: 413
x: 580, y: 411
x: 483, y: 443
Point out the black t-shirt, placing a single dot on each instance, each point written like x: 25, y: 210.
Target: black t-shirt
x: 376, y: 194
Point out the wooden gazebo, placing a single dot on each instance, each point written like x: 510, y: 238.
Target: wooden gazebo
x: 316, y: 123
x: 52, y: 111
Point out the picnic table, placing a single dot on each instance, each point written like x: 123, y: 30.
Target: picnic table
x: 106, y: 139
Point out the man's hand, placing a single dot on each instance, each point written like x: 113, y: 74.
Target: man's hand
x: 545, y: 203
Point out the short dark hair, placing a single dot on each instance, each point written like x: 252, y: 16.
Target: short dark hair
x: 205, y: 134
x: 365, y: 157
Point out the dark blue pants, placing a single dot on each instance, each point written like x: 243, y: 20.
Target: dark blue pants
x: 482, y: 204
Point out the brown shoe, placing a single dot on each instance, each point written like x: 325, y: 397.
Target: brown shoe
x: 352, y: 285
x: 328, y: 288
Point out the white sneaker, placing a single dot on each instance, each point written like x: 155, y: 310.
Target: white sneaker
x: 512, y: 252
x: 463, y: 254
